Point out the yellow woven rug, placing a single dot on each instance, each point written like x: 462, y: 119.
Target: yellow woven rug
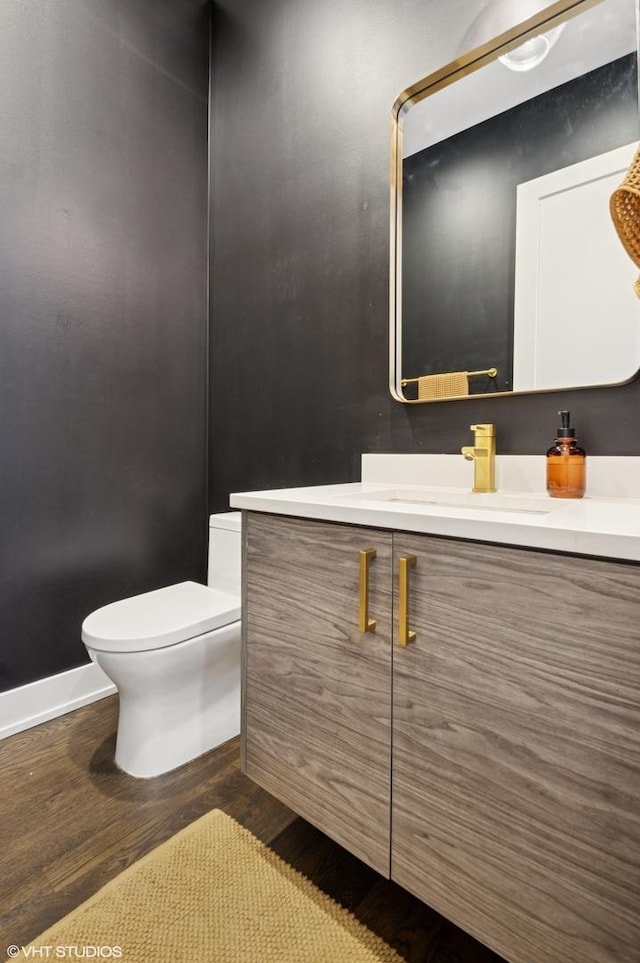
x: 211, y: 894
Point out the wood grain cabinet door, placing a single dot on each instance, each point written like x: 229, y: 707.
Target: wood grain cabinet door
x: 516, y: 749
x: 317, y: 691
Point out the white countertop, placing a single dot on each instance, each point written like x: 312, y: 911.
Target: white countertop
x: 395, y: 491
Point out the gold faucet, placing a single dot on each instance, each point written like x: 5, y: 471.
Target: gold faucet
x: 483, y: 456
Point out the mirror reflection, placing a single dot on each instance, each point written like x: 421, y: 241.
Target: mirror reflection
x: 509, y: 275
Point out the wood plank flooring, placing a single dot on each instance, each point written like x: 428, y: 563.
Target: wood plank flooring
x: 70, y: 821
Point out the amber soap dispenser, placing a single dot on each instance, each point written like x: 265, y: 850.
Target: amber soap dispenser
x: 566, y: 468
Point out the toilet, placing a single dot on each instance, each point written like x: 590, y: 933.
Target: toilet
x: 174, y: 657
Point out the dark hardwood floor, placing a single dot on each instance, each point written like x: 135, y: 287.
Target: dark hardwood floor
x: 70, y: 821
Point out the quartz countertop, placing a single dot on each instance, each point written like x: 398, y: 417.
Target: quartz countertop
x: 422, y: 493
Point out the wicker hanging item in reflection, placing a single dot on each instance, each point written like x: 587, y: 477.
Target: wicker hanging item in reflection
x: 625, y: 212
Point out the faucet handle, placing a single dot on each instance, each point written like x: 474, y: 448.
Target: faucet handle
x: 484, y: 431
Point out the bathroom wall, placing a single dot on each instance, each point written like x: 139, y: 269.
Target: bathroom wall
x: 103, y: 335
x: 299, y: 309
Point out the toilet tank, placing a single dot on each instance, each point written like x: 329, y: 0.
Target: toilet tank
x: 225, y: 554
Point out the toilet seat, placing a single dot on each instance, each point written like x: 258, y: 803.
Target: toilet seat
x: 158, y: 619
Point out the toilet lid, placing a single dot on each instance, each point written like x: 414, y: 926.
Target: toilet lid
x: 160, y: 618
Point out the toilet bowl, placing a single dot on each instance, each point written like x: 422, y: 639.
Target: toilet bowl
x: 174, y: 657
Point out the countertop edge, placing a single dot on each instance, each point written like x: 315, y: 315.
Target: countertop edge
x: 580, y: 532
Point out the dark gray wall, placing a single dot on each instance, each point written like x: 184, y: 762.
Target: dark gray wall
x: 300, y: 154
x: 103, y: 341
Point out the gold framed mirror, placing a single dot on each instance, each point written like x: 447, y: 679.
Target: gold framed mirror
x: 507, y: 275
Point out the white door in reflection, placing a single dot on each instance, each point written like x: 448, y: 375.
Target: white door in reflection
x: 570, y: 267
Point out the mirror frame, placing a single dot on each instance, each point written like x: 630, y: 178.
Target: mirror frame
x: 551, y: 16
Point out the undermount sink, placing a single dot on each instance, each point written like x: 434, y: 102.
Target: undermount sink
x: 483, y: 501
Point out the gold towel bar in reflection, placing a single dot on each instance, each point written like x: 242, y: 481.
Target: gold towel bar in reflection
x: 491, y: 372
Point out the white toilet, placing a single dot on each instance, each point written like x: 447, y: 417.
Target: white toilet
x: 174, y: 656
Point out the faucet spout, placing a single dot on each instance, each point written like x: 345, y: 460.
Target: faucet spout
x: 471, y: 453
x: 483, y: 455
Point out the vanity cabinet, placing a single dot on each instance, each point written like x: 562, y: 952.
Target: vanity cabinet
x: 316, y: 716
x: 512, y: 805
x: 516, y: 749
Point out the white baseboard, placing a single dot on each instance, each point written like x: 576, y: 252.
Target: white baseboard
x: 31, y: 704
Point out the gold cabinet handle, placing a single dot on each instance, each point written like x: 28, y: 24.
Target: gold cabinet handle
x: 406, y: 635
x: 365, y: 624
